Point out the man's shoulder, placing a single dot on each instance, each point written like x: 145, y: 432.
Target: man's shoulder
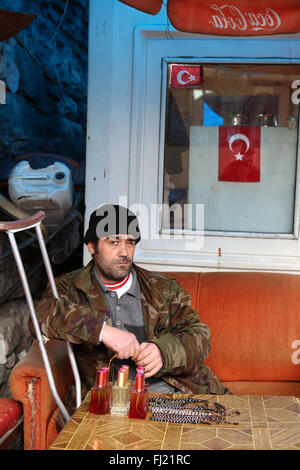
x: 153, y: 276
x: 79, y: 276
x: 157, y: 280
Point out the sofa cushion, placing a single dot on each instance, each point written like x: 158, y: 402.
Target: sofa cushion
x: 264, y: 388
x: 254, y: 318
x: 189, y: 281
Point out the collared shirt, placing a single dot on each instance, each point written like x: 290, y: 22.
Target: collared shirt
x: 126, y: 310
x: 126, y: 314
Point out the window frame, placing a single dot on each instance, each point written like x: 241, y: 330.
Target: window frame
x: 164, y: 84
x: 221, y: 250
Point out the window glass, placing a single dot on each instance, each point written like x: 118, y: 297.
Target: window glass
x: 231, y: 133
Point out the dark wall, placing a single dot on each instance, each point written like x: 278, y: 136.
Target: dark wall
x: 47, y: 112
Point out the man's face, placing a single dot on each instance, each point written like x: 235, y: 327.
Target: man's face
x: 113, y: 257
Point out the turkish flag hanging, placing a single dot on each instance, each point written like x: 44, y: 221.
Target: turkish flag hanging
x: 185, y: 76
x: 239, y: 154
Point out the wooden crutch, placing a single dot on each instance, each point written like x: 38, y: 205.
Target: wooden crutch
x: 17, y: 226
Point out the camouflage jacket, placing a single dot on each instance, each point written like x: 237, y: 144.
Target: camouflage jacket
x: 169, y: 320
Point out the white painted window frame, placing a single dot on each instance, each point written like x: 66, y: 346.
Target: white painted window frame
x: 221, y: 250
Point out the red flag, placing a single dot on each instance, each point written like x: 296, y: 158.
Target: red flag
x: 239, y: 154
x: 186, y: 75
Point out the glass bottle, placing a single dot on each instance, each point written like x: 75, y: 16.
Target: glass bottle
x: 100, y: 394
x: 141, y: 369
x: 120, y: 396
x: 139, y: 398
x: 129, y: 381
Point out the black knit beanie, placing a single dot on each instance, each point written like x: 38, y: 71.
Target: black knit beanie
x: 109, y: 220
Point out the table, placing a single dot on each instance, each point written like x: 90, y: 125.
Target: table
x: 264, y: 423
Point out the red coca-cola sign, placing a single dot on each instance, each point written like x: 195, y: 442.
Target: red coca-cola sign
x: 228, y: 18
x: 235, y: 18
x: 147, y: 6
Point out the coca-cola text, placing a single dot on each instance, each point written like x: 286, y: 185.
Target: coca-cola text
x: 231, y: 17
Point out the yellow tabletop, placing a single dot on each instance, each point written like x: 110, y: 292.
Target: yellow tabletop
x: 264, y: 422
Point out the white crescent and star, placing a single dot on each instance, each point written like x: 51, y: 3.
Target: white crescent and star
x: 180, y: 80
x: 242, y: 137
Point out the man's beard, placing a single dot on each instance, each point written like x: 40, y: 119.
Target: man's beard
x: 113, y: 273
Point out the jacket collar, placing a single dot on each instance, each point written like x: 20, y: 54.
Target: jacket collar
x: 148, y: 281
x: 84, y: 278
x: 152, y: 299
x: 151, y: 294
x: 86, y: 282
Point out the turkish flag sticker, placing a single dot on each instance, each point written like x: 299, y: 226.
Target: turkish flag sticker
x: 239, y: 154
x: 184, y: 76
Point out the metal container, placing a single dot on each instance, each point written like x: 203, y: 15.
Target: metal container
x: 292, y: 121
x: 237, y: 119
x: 265, y: 120
x: 49, y: 189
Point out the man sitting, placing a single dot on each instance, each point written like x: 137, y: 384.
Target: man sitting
x: 113, y: 306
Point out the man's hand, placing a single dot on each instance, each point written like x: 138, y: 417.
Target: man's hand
x: 122, y: 342
x: 149, y: 357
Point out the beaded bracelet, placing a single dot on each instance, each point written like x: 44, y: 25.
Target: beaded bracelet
x: 188, y: 410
